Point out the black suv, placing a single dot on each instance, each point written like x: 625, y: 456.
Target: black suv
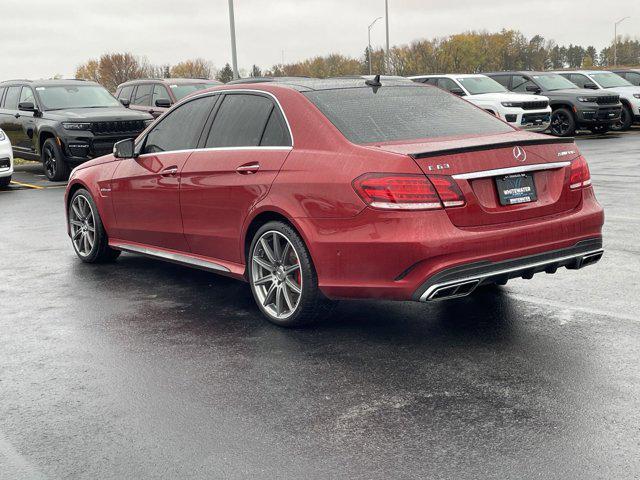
x: 64, y: 122
x: 573, y: 107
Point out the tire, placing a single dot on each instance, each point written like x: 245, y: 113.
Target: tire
x: 5, y: 181
x: 55, y: 167
x: 626, y: 120
x: 88, y: 236
x: 273, y: 289
x: 600, y: 129
x: 563, y: 123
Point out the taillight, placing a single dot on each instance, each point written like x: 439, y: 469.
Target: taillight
x: 407, y: 192
x: 448, y: 190
x: 401, y: 192
x: 579, y: 176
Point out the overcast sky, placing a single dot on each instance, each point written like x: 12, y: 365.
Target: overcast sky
x: 41, y: 38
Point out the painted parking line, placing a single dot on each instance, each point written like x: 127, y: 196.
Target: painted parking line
x: 27, y: 185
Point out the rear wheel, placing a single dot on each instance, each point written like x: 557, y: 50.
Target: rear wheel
x: 563, y: 124
x: 626, y: 119
x: 55, y: 168
x: 88, y: 236
x: 282, y: 277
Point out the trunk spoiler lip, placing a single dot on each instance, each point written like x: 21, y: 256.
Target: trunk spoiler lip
x: 490, y: 146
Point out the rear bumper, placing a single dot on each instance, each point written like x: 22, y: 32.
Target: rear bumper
x: 398, y: 255
x: 462, y: 280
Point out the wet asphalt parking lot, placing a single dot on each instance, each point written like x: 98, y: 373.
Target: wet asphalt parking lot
x: 144, y: 369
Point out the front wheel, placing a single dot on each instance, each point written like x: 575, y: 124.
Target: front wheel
x: 88, y: 235
x: 282, y: 277
x: 626, y: 119
x: 563, y: 124
x: 55, y: 168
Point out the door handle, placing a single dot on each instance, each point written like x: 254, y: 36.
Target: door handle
x: 248, y: 168
x: 169, y: 172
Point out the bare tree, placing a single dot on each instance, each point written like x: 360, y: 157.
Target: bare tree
x: 113, y: 69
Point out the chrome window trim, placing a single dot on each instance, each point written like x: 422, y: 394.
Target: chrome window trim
x: 192, y: 150
x: 170, y: 256
x: 511, y: 170
x: 234, y: 90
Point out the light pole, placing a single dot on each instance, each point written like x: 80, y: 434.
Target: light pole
x: 615, y: 40
x: 386, y: 15
x: 234, y: 57
x: 369, y: 32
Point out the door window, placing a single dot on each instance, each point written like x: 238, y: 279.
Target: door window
x: 520, y: 84
x: 502, y: 80
x: 12, y: 97
x: 579, y: 80
x: 2, y: 89
x: 27, y: 95
x: 125, y: 93
x: 240, y: 121
x: 160, y: 93
x: 181, y: 128
x: 448, y: 84
x: 143, y: 95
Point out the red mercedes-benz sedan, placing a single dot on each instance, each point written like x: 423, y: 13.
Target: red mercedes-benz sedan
x: 313, y: 190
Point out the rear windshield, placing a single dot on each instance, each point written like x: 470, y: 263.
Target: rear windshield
x: 402, y: 113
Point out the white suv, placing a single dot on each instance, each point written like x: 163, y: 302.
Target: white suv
x: 603, y: 80
x: 529, y: 112
x: 6, y: 160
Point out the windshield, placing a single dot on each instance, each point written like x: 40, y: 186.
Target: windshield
x: 553, y: 81
x: 75, y: 96
x: 388, y: 114
x: 479, y: 85
x: 184, y: 89
x: 610, y: 80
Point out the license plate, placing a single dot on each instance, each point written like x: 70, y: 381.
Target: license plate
x: 517, y: 188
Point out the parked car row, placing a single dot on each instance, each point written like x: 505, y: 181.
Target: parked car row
x: 312, y: 190
x: 63, y: 123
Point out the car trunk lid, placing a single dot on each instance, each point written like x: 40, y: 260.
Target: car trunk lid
x: 481, y: 166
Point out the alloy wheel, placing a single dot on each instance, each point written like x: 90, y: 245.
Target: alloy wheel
x: 83, y: 225
x: 275, y: 275
x: 49, y: 161
x: 560, y: 123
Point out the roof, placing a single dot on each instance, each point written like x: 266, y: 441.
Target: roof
x: 450, y: 75
x: 519, y: 72
x: 175, y: 81
x: 587, y: 72
x: 44, y: 83
x: 312, y: 84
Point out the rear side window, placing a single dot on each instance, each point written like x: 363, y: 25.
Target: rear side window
x: 125, y: 93
x: 402, y: 113
x: 276, y: 133
x: 240, y: 121
x: 12, y: 97
x: 180, y: 129
x: 143, y: 95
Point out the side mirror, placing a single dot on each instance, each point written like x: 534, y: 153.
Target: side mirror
x: 124, y: 149
x: 591, y: 86
x: 458, y: 91
x: 163, y: 103
x: 532, y: 88
x: 125, y: 102
x: 26, y: 107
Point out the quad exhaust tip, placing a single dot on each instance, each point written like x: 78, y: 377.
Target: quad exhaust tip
x: 464, y: 287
